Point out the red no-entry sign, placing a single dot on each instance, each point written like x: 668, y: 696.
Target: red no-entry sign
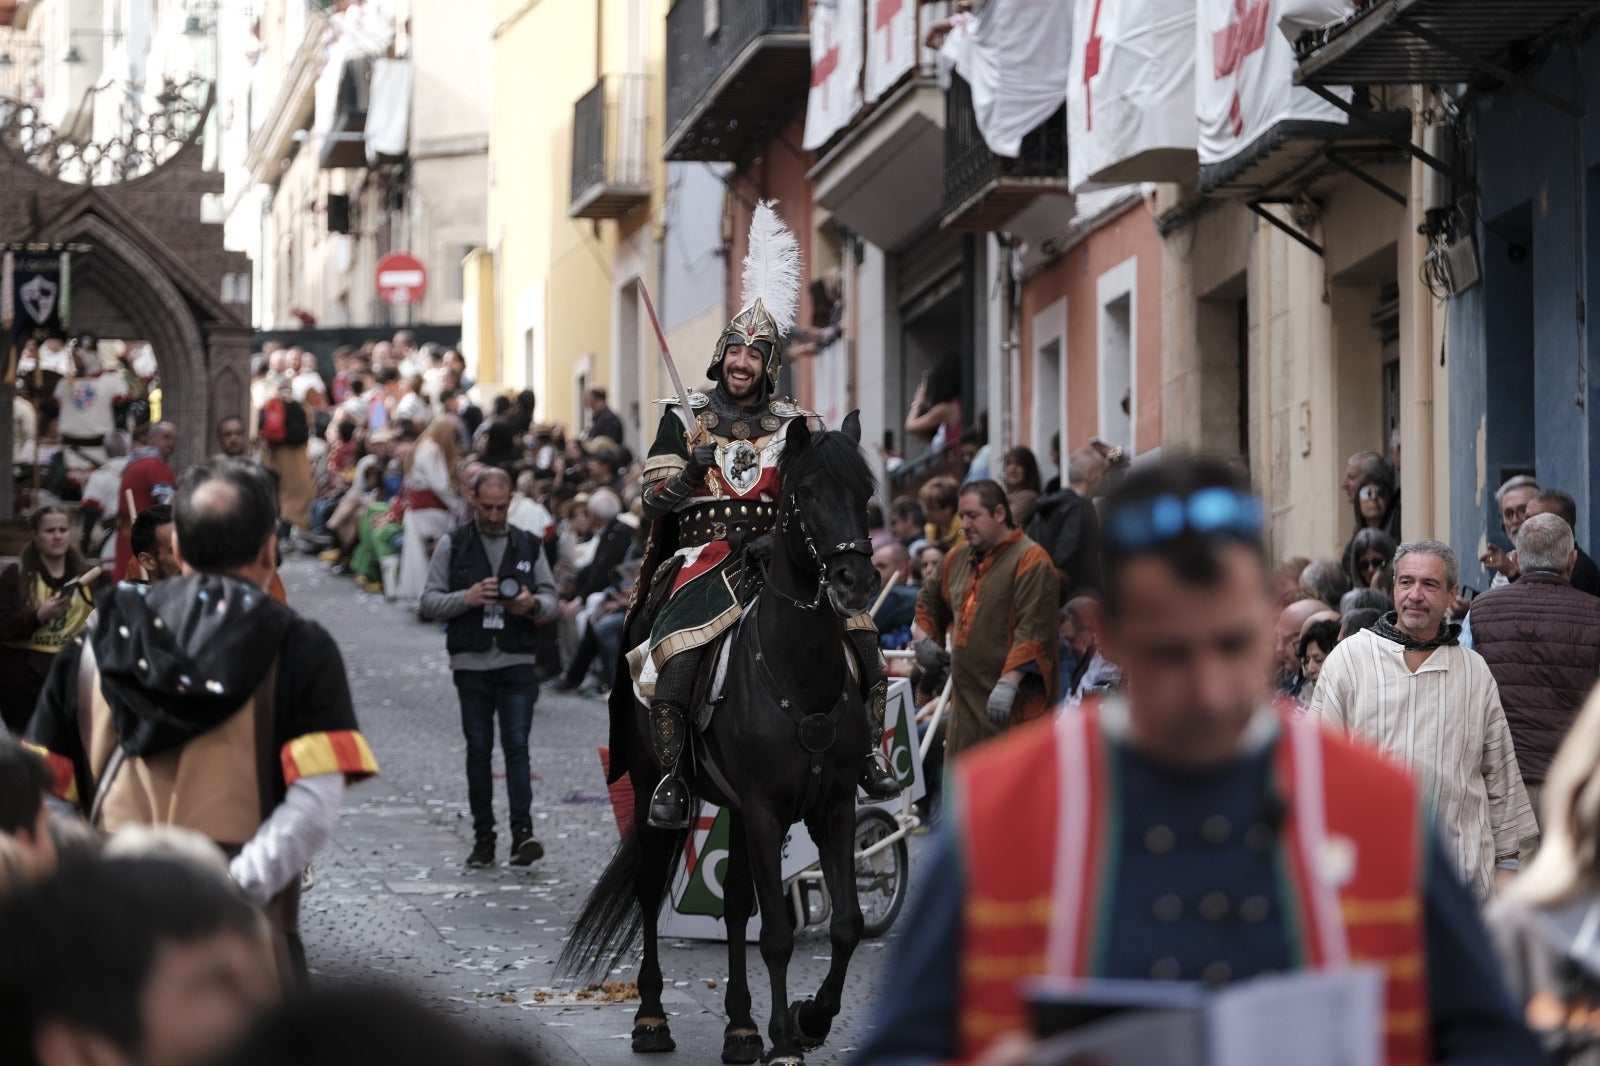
x: 402, y: 279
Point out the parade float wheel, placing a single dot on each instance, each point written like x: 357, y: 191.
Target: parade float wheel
x: 881, y: 879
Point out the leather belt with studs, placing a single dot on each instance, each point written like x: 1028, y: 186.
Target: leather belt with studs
x: 715, y: 521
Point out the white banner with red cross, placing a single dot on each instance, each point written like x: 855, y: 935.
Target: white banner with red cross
x: 892, y: 45
x: 1130, y: 100
x: 1244, y: 78
x: 836, y: 31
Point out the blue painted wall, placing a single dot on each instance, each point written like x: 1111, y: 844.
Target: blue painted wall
x: 1521, y: 360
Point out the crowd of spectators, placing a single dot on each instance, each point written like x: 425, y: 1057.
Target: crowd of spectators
x: 377, y: 462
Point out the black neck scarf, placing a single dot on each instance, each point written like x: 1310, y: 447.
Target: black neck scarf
x: 1385, y: 627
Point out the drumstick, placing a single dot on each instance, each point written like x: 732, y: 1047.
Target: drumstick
x: 894, y: 579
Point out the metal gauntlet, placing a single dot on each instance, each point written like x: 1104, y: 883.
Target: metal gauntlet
x: 666, y: 495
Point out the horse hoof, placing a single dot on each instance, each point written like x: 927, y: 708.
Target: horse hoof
x: 652, y: 1038
x: 809, y: 1030
x: 741, y: 1047
x: 784, y: 1060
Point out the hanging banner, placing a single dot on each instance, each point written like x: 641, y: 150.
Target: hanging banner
x: 694, y: 907
x: 1297, y: 16
x: 1011, y: 53
x: 1244, y: 78
x: 1130, y: 100
x: 835, y: 97
x: 39, y: 294
x: 892, y: 44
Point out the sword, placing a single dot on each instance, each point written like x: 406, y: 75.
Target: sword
x: 699, y: 435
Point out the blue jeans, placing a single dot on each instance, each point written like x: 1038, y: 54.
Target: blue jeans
x: 511, y: 691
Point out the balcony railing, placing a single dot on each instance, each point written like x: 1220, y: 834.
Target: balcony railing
x: 610, y: 170
x: 983, y: 191
x: 732, y: 65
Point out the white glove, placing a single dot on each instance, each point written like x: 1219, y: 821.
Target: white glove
x: 1000, y: 701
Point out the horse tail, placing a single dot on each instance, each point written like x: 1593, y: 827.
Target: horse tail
x: 608, y: 928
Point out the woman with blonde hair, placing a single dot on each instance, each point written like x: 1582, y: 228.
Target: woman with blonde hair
x: 432, y: 491
x: 1547, y: 923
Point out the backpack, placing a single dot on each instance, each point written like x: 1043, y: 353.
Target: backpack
x: 284, y: 423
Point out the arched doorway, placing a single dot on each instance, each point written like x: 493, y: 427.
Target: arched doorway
x: 155, y: 269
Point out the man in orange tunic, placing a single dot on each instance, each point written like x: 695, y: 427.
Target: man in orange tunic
x: 1188, y: 831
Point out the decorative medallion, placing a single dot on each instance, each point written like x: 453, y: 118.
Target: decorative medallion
x: 741, y: 466
x: 741, y: 430
x: 770, y: 423
x: 708, y: 419
x: 784, y: 408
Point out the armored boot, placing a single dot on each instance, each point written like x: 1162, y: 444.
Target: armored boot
x: 669, y: 804
x: 877, y: 777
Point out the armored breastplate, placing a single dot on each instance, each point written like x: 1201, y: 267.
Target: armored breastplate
x: 727, y: 420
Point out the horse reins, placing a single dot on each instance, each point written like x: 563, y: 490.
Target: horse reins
x: 862, y: 545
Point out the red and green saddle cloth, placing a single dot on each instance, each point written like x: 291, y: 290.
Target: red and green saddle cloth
x: 1035, y: 820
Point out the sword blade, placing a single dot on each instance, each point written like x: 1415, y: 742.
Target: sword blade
x: 666, y: 353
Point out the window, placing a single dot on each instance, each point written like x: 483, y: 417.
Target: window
x: 1117, y: 374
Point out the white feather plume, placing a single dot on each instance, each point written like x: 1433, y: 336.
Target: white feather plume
x: 772, y: 267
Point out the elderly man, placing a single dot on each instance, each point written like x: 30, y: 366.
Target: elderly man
x: 899, y: 608
x: 1409, y: 687
x: 1291, y: 622
x: 1585, y: 574
x: 1538, y: 636
x: 1158, y: 835
x: 1512, y: 501
x: 996, y: 595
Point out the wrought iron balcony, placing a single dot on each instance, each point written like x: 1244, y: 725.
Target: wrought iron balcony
x: 733, y: 66
x: 610, y: 170
x: 984, y: 191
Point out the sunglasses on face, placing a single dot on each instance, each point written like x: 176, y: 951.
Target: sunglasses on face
x: 1373, y: 562
x: 1371, y: 492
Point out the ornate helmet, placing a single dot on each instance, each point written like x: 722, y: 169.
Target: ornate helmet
x: 771, y: 294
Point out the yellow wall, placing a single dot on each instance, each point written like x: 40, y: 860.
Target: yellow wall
x: 556, y: 276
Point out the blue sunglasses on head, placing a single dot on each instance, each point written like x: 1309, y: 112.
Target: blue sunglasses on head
x: 1214, y: 512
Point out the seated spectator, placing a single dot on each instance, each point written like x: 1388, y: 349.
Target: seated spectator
x: 146, y: 961
x: 928, y: 560
x: 1092, y: 672
x: 601, y: 458
x: 27, y: 847
x: 1327, y: 579
x: 526, y: 512
x: 1291, y: 622
x: 939, y: 497
x: 1023, y: 487
x: 1316, y: 644
x: 899, y: 608
x: 906, y: 522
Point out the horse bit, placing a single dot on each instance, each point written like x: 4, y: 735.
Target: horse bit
x: 862, y: 545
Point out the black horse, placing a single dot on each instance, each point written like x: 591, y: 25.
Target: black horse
x: 788, y: 739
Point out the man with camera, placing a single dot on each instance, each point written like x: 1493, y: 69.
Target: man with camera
x: 489, y: 582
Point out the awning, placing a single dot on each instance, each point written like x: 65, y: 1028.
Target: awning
x: 343, y: 96
x: 1430, y: 42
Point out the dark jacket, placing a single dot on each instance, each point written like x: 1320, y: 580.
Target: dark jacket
x: 1065, y: 525
x: 469, y: 564
x: 1541, y: 639
x: 614, y: 541
x: 1585, y: 574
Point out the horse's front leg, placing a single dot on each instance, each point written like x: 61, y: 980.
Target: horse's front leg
x: 764, y: 838
x: 834, y: 831
x: 741, y: 1041
x: 651, y: 1033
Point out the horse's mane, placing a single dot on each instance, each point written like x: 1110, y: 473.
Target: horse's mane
x: 837, y: 456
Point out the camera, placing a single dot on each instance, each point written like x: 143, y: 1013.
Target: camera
x: 509, y: 587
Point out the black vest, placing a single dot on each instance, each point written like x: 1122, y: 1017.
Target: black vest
x: 469, y: 564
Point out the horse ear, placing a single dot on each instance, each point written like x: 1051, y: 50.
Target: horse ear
x: 798, y: 438
x: 852, y: 426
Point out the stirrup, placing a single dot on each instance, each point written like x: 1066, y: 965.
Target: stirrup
x: 669, y: 804
x: 878, y: 780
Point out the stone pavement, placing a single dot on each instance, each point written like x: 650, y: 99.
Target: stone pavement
x: 392, y: 902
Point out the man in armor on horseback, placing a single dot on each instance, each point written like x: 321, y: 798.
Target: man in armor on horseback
x: 712, y: 487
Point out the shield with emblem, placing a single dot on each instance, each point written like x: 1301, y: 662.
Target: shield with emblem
x: 38, y: 297
x: 741, y: 466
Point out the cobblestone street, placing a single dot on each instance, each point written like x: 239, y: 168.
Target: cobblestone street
x: 393, y: 902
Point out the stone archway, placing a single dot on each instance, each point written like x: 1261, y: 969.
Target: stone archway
x: 155, y: 271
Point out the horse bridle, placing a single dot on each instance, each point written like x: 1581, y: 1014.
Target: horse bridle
x: 862, y: 545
